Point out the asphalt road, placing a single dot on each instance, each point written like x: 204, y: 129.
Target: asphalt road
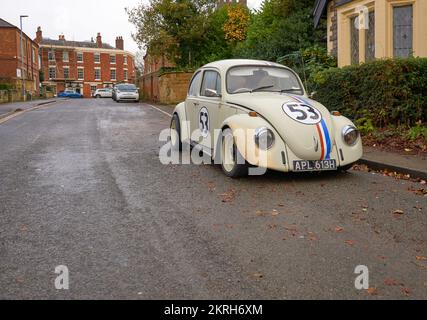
x: 82, y: 186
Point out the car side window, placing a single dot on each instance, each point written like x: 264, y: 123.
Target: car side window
x: 212, y: 81
x: 194, y: 86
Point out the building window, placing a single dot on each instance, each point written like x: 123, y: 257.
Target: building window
x: 80, y: 73
x: 126, y: 74
x: 34, y: 55
x: 112, y: 59
x: 97, y: 73
x: 113, y: 74
x: 52, y: 73
x: 354, y: 40
x: 402, y: 31
x: 51, y: 55
x: 66, y: 73
x: 125, y: 59
x: 97, y: 57
x: 370, y: 38
x: 65, y: 56
x: 79, y: 56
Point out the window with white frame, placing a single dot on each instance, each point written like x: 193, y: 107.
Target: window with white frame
x: 66, y: 72
x: 126, y: 73
x: 113, y: 74
x: 80, y: 73
x: 34, y: 55
x: 65, y: 56
x: 51, y: 55
x: 113, y: 59
x: 125, y: 59
x: 79, y: 56
x: 52, y: 73
x: 97, y: 73
x: 97, y: 57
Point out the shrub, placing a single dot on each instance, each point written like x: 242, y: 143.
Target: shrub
x: 386, y: 92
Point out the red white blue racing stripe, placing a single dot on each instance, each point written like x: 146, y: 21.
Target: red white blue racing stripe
x: 322, y: 130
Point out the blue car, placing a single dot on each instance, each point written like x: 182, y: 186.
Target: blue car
x: 70, y: 94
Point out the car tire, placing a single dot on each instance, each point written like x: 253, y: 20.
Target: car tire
x: 232, y: 162
x: 176, y: 141
x: 97, y: 96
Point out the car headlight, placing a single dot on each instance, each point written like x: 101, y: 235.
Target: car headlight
x: 264, y: 138
x: 350, y: 135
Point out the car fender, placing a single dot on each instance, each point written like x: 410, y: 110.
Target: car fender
x: 347, y: 154
x: 185, y: 126
x: 246, y: 125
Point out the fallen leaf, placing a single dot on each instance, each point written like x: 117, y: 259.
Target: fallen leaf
x: 339, y: 229
x: 349, y: 242
x: 229, y: 196
x: 275, y: 213
x: 258, y: 275
x: 391, y: 282
x: 372, y: 291
x: 421, y: 258
x: 400, y: 212
x: 406, y: 291
x: 408, y: 150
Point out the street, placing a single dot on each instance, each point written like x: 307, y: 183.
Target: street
x: 81, y: 185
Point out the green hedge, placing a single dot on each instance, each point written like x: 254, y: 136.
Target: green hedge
x: 382, y: 92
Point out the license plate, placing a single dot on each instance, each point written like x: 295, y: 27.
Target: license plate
x: 315, y: 165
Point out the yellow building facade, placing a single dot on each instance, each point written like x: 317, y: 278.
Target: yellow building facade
x: 362, y: 30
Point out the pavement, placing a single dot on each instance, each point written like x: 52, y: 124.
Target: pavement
x: 82, y: 186
x: 7, y: 109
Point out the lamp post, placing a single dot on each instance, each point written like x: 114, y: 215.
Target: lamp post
x: 22, y: 60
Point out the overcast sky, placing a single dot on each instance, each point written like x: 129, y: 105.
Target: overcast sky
x: 77, y: 19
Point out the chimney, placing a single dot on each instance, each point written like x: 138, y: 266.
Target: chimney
x: 39, y: 35
x: 120, y: 43
x: 99, y: 40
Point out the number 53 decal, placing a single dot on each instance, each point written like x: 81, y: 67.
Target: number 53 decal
x: 302, y: 113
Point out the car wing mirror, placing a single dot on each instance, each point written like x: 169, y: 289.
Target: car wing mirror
x: 312, y: 95
x: 212, y: 93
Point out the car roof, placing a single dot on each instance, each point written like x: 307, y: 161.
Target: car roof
x: 227, y: 64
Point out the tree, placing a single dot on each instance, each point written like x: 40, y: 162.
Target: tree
x: 236, y: 26
x: 174, y: 28
x: 280, y: 28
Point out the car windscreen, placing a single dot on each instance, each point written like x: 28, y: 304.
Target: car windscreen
x: 262, y: 78
x: 127, y: 88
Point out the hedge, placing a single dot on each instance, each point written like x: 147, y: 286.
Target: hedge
x: 382, y: 92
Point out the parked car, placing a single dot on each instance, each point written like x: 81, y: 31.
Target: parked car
x: 103, y: 93
x: 70, y: 94
x: 268, y: 102
x: 125, y: 92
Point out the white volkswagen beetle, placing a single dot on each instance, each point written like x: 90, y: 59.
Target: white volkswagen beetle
x: 238, y: 110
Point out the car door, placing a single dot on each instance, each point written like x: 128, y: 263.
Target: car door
x: 210, y: 101
x: 192, y: 102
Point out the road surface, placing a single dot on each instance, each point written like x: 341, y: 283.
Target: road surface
x: 82, y: 186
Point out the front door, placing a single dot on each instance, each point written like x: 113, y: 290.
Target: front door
x: 207, y: 117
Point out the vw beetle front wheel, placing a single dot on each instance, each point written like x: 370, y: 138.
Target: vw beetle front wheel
x: 232, y: 162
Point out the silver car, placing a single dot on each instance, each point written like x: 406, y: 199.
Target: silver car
x: 126, y: 92
x: 103, y: 93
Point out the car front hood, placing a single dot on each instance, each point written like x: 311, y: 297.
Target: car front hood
x: 311, y: 141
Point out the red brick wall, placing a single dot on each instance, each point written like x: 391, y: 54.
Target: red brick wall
x: 89, y: 68
x: 10, y: 59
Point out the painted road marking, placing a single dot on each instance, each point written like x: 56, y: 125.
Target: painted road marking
x: 160, y: 110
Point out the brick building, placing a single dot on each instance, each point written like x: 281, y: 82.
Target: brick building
x: 84, y: 66
x: 15, y: 69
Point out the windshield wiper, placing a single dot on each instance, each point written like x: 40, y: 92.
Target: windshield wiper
x: 290, y: 90
x: 260, y: 88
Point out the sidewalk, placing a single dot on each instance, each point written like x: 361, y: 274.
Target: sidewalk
x: 7, y: 109
x: 415, y: 166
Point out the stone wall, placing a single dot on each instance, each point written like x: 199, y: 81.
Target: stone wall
x: 173, y: 87
x: 167, y: 88
x: 10, y: 96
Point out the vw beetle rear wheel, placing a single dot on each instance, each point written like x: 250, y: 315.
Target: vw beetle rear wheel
x: 232, y: 162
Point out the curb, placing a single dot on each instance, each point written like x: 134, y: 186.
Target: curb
x: 383, y: 166
x: 12, y: 114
